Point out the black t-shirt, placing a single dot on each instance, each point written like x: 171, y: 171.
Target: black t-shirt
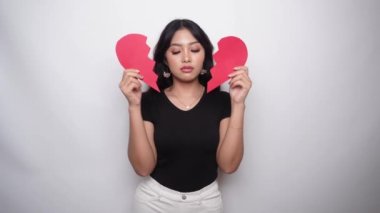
x: 186, y: 141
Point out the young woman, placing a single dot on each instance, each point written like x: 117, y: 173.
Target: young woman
x: 179, y: 137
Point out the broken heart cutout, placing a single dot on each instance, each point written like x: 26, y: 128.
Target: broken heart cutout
x: 231, y: 52
x: 132, y: 52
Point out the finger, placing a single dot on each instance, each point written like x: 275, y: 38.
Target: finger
x: 238, y: 72
x: 130, y: 72
x: 245, y: 68
x: 132, y: 80
x: 131, y: 87
x: 125, y: 76
x: 130, y: 76
x: 233, y: 80
x: 246, y: 82
x: 240, y: 84
x: 127, y: 81
x: 239, y: 76
x: 124, y: 81
x: 135, y: 76
x: 134, y: 86
x: 133, y: 73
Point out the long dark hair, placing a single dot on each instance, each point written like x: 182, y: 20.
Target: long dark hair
x: 164, y: 43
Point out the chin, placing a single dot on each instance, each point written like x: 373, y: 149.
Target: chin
x: 187, y: 80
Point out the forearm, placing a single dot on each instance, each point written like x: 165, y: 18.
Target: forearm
x: 140, y: 151
x: 231, y: 150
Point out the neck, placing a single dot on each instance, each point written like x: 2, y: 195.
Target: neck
x: 185, y: 96
x: 186, y: 90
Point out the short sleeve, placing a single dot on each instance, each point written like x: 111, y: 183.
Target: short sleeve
x: 146, y: 106
x: 225, y: 100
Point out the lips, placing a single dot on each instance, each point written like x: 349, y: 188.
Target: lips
x: 187, y: 69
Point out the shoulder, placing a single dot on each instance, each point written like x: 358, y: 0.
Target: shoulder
x: 219, y: 95
x: 149, y: 98
x: 220, y: 102
x: 150, y: 94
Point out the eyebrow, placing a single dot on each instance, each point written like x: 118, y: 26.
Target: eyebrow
x: 177, y: 44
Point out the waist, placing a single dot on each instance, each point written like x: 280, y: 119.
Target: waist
x: 207, y: 191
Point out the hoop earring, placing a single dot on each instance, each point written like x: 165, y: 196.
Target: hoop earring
x: 203, y: 71
x: 166, y: 74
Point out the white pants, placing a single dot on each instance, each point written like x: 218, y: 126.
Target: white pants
x: 151, y: 197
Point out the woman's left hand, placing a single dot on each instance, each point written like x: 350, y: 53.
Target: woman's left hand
x: 240, y: 84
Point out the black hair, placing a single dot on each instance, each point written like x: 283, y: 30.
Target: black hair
x: 163, y: 45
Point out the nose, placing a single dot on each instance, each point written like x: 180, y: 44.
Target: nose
x: 186, y: 56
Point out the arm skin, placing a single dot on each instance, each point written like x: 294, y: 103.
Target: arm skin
x: 142, y: 153
x: 231, y: 145
x: 141, y: 150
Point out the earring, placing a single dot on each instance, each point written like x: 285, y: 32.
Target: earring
x: 166, y: 74
x: 203, y: 71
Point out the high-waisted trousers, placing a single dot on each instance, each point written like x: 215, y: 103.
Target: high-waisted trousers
x: 151, y: 197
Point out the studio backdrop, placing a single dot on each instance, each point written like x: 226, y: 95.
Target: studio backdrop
x: 312, y: 138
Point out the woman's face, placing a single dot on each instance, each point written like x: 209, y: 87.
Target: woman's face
x: 185, y: 56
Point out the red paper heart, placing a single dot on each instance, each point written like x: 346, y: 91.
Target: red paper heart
x: 132, y: 52
x: 232, y: 52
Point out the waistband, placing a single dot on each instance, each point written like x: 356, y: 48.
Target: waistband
x: 210, y: 190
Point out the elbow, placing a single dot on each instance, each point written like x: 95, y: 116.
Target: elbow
x: 142, y: 169
x: 229, y: 166
x: 229, y: 169
x: 142, y: 173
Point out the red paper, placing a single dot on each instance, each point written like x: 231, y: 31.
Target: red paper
x: 232, y: 52
x: 132, y: 52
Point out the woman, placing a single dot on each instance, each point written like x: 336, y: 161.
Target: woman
x: 179, y: 137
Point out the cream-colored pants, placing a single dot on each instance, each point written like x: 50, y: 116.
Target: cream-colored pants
x: 151, y: 197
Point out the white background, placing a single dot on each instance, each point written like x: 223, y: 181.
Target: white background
x: 312, y: 119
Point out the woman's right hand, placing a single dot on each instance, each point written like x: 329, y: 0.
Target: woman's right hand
x: 130, y: 85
